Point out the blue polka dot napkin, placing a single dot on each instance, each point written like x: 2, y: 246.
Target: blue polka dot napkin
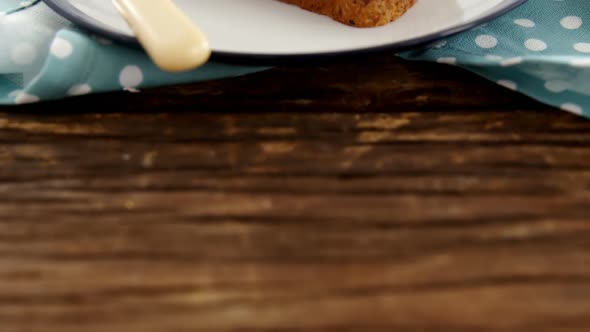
x: 43, y: 57
x: 541, y: 49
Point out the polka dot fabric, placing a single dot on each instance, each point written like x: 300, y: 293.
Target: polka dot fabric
x: 541, y: 49
x: 43, y: 57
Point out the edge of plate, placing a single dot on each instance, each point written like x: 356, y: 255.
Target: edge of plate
x: 71, y: 13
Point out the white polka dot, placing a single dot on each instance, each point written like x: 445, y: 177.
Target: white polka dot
x: 131, y: 77
x: 493, y: 57
x: 486, y: 41
x: 535, y: 45
x: 556, y: 86
x: 15, y: 93
x: 571, y: 22
x: 511, y: 61
x: 508, y: 84
x: 61, y: 48
x: 572, y: 108
x: 23, y: 54
x: 524, y: 22
x: 582, y: 47
x: 580, y: 63
x: 79, y: 89
x: 447, y: 60
x: 25, y: 98
x: 440, y: 44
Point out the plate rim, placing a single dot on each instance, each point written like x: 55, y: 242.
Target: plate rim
x: 85, y: 22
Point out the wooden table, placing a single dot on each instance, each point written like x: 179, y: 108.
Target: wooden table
x: 373, y: 195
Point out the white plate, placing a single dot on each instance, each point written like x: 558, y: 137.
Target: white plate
x: 268, y: 28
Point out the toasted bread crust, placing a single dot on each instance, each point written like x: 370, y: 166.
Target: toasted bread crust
x: 358, y: 13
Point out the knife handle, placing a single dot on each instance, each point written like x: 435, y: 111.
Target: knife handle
x: 169, y: 37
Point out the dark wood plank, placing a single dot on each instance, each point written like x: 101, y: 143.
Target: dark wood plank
x: 391, y: 196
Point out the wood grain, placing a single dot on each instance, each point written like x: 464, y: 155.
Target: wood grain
x: 391, y: 196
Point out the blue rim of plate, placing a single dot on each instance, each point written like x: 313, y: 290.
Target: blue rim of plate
x: 85, y: 22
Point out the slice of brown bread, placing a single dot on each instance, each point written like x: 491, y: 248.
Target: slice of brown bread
x: 358, y: 13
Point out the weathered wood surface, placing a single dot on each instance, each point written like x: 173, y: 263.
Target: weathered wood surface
x: 387, y: 196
